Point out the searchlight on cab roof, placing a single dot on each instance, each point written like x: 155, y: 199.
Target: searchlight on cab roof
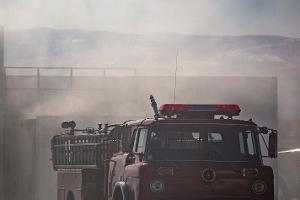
x: 199, y: 110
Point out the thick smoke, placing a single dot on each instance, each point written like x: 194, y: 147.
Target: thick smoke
x: 133, y: 16
x: 156, y: 31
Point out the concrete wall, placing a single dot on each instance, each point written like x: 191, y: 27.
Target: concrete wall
x: 123, y: 97
x: 129, y: 96
x: 2, y: 107
x: 20, y: 159
x: 28, y: 171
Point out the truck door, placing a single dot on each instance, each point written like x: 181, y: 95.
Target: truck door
x: 118, y: 161
x: 133, y: 163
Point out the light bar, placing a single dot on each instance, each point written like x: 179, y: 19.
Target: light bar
x: 200, y: 110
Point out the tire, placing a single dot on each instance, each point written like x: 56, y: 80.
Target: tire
x: 118, y: 195
x: 70, y: 196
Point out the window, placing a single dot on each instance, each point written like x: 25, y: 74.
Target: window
x: 214, y: 137
x: 219, y: 142
x: 155, y: 140
x: 247, y: 144
x: 241, y: 141
x: 134, y: 141
x: 196, y: 135
x: 140, y: 141
x: 122, y: 137
x: 250, y: 143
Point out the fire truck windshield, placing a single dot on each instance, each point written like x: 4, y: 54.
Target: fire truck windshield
x: 217, y: 142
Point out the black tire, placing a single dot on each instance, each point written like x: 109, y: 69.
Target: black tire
x: 118, y: 195
x: 70, y: 196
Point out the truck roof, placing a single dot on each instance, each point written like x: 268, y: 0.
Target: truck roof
x: 151, y: 121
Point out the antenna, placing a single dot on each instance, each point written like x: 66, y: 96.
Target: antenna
x: 175, y: 78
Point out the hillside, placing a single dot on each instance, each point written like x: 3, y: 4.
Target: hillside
x: 54, y: 48
x: 198, y: 55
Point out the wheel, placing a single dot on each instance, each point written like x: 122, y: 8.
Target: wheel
x: 118, y: 195
x: 70, y: 196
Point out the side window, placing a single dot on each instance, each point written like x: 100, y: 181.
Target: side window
x: 241, y: 141
x: 247, y: 145
x: 196, y: 135
x: 134, y: 140
x: 250, y: 144
x: 140, y: 141
x: 127, y: 139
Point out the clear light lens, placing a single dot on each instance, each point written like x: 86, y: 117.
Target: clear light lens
x: 157, y: 185
x: 259, y: 187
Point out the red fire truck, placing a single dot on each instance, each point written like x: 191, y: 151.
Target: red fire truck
x: 185, y: 152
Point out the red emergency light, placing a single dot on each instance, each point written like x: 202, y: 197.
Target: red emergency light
x: 199, y: 110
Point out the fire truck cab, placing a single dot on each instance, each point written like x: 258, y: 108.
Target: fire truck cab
x: 186, y: 152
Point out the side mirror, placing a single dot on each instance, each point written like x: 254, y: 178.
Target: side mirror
x: 272, y: 151
x: 141, y: 156
x: 130, y: 158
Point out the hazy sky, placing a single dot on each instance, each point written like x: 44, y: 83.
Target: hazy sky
x: 218, y: 17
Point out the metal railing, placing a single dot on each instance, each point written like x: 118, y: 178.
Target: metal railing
x: 81, y: 151
x: 67, y: 71
x: 64, y: 74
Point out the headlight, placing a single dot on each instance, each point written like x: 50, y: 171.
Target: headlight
x: 259, y: 187
x: 157, y: 185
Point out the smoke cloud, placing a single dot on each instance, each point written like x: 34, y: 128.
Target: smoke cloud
x: 145, y: 35
x: 223, y: 17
